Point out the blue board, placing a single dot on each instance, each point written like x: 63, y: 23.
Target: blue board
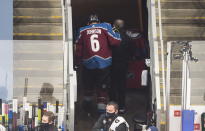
x: 188, y: 120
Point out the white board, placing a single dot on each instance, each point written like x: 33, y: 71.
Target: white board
x: 175, y: 117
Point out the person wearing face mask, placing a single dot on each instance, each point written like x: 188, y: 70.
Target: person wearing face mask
x: 47, y: 123
x: 111, y: 121
x: 119, y: 66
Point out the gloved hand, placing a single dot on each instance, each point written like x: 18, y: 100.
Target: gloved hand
x: 116, y: 29
x: 148, y: 62
x: 76, y: 67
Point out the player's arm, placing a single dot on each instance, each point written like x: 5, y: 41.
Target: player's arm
x: 113, y: 37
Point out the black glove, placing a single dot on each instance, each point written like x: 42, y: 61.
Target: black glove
x: 115, y: 29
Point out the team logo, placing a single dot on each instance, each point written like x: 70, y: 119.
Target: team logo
x: 117, y: 121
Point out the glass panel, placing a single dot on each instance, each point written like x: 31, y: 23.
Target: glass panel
x: 31, y: 82
x: 38, y: 70
x: 6, y: 70
x: 197, y: 74
x: 176, y: 74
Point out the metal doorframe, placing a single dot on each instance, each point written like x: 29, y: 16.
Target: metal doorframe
x: 154, y: 45
x: 70, y: 78
x: 168, y: 76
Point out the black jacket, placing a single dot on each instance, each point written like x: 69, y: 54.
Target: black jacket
x: 121, y: 53
x: 103, y: 124
x: 49, y: 128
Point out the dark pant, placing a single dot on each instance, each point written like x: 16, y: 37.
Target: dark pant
x: 117, y: 92
x: 95, y: 79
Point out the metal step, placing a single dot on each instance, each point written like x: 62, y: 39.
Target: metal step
x: 183, y: 32
x: 39, y: 15
x: 37, y: 4
x: 195, y: 100
x: 182, y: 4
x: 41, y: 57
x: 37, y: 46
x: 38, y: 31
x: 33, y: 19
x: 183, y: 16
x: 37, y: 20
x: 45, y: 28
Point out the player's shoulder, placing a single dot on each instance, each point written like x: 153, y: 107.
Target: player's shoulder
x: 106, y: 25
x: 89, y: 27
x: 84, y: 28
x: 101, y: 25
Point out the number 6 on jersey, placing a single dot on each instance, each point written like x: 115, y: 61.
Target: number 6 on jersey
x: 95, y: 44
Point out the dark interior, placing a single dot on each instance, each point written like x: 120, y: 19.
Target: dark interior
x: 109, y: 10
x: 135, y: 15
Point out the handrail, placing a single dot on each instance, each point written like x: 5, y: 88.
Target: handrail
x: 162, y: 53
x: 70, y: 95
x: 154, y: 57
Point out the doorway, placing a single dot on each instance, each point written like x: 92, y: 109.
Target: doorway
x: 135, y: 15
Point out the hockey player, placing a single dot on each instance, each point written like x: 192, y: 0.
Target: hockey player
x: 93, y: 51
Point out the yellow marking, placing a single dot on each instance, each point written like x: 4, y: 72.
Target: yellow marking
x: 56, y: 17
x: 23, y: 17
x: 161, y: 86
x: 0, y: 119
x: 161, y: 69
x: 38, y: 34
x: 39, y: 115
x: 162, y: 123
x: 29, y: 17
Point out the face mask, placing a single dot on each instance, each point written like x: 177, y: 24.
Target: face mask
x: 110, y: 115
x: 44, y: 125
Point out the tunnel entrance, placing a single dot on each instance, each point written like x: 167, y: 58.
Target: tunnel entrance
x: 134, y: 13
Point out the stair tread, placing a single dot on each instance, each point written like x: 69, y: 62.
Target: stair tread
x: 21, y: 37
x: 37, y: 4
x: 46, y: 29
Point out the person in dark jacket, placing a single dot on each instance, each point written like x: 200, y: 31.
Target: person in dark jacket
x: 47, y: 123
x: 119, y: 66
x: 111, y: 121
